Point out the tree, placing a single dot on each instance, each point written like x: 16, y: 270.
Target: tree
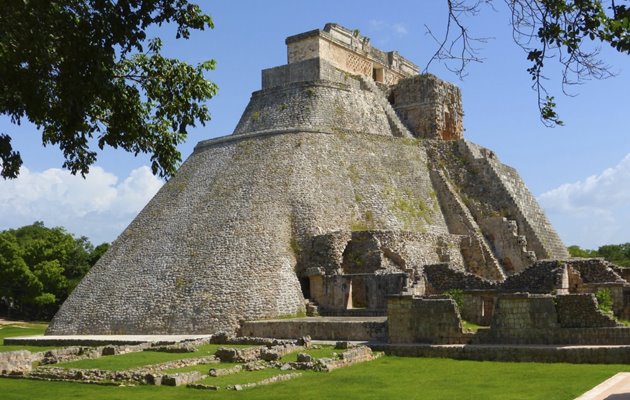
x: 87, y: 75
x: 615, y: 253
x: 40, y: 266
x: 565, y: 30
x: 18, y: 284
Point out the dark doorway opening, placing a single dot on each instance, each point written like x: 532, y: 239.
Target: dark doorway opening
x: 305, y: 285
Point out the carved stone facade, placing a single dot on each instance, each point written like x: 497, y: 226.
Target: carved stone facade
x: 350, y: 52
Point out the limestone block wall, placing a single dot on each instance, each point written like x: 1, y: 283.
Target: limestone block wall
x: 478, y: 306
x: 595, y: 270
x: 580, y: 311
x: 542, y: 277
x: 365, y: 291
x: 515, y: 353
x: 313, y: 69
x: 320, y: 105
x: 440, y: 278
x: 536, y: 319
x: 430, y: 107
x: 318, y: 329
x: 221, y: 240
x: 423, y: 320
x: 16, y: 362
x: 517, y: 312
x: 379, y: 251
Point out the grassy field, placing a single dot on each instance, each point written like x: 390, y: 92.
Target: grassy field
x: 384, y: 378
x: 322, y: 352
x: 138, y: 359
x: 21, y: 329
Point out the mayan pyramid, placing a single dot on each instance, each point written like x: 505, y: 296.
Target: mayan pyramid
x: 345, y: 176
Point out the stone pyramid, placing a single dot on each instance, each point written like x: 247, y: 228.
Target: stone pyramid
x: 346, y: 175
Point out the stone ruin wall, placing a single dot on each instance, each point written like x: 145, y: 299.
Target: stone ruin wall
x: 434, y: 320
x: 545, y: 319
x: 375, y: 263
x: 431, y: 108
x: 520, y: 318
x: 373, y: 251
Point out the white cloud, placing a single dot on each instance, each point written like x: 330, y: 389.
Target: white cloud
x: 594, y: 211
x: 397, y: 28
x: 400, y: 29
x: 99, y: 206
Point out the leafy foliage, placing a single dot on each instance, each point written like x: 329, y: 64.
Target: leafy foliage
x: 40, y: 266
x: 577, y: 251
x: 615, y: 253
x: 567, y: 31
x: 79, y: 70
x: 457, y: 295
x: 604, y: 300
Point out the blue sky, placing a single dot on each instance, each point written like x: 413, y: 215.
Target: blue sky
x: 579, y: 172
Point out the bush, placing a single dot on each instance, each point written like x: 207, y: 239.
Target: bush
x: 604, y: 300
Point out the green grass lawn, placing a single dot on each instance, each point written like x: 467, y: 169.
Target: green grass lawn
x: 243, y: 377
x: 28, y: 329
x: 204, y: 369
x: 138, y: 359
x: 384, y: 378
x: 322, y: 352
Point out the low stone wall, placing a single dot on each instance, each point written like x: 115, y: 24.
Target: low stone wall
x: 542, y: 277
x: 425, y: 320
x: 440, y: 278
x: 348, y: 357
x: 15, y: 362
x: 149, y: 374
x: 268, y: 381
x: 555, y: 354
x: 617, y: 336
x: 573, y: 319
x: 228, y: 354
x: 319, y: 328
x: 580, y: 311
x: 181, y: 378
x: 595, y: 270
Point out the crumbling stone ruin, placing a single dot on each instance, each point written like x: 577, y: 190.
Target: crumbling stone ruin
x: 258, y: 354
x: 346, y: 180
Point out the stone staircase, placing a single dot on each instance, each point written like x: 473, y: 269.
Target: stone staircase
x: 398, y: 128
x: 509, y: 246
x: 461, y: 222
x: 542, y: 238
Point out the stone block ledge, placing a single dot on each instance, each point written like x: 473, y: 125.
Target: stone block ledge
x: 98, y: 340
x: 512, y: 353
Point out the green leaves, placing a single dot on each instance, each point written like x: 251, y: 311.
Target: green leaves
x: 565, y: 31
x: 548, y: 111
x: 40, y: 266
x: 77, y: 69
x: 616, y: 253
x: 10, y: 160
